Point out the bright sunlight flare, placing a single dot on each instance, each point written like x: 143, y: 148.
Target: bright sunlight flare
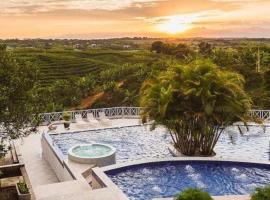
x: 176, y: 24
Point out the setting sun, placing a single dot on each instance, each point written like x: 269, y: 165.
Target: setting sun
x: 175, y: 25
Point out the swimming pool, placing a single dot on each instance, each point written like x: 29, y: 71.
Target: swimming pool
x: 137, y: 142
x: 131, y: 143
x: 166, y: 179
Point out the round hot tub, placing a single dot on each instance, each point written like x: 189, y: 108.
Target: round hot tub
x: 96, y: 153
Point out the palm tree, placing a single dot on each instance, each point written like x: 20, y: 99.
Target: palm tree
x: 195, y: 102
x: 130, y: 97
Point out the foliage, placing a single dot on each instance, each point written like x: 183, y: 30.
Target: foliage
x: 3, y: 148
x: 22, y: 186
x: 65, y: 92
x: 130, y: 98
x: 195, y: 102
x: 72, y: 70
x: 157, y: 46
x: 184, y: 52
x: 18, y: 95
x: 261, y: 193
x: 66, y: 116
x: 267, y: 80
x: 224, y: 57
x: 180, y: 51
x: 67, y: 77
x: 205, y: 49
x: 109, y: 86
x: 193, y: 194
x: 86, y: 84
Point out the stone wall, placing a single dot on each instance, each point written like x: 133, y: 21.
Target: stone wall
x: 58, y: 165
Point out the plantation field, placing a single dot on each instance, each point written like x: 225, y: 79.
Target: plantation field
x: 62, y: 65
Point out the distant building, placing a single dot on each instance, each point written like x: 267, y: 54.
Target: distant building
x: 126, y: 46
x: 93, y: 45
x: 77, y: 46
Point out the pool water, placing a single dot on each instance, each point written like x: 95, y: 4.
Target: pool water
x: 148, y: 181
x: 135, y: 143
x: 91, y: 151
x: 131, y: 143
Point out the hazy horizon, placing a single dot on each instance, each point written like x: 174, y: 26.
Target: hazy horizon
x: 104, y: 19
x: 134, y: 37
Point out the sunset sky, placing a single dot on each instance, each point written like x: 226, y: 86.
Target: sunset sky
x: 118, y: 18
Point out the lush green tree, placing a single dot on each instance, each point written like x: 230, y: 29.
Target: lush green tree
x: 18, y: 94
x: 86, y: 85
x: 109, y: 86
x: 261, y: 193
x: 261, y: 95
x: 205, y: 49
x: 193, y: 194
x: 267, y: 80
x: 130, y: 98
x: 157, y: 46
x: 248, y: 57
x: 195, y: 102
x: 65, y: 93
x: 225, y: 57
x: 183, y: 51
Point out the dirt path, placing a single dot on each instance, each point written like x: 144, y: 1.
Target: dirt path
x: 87, y: 102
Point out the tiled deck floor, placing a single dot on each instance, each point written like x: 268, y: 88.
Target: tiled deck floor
x: 38, y: 170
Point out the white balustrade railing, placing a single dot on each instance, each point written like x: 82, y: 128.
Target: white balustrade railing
x: 261, y: 114
x: 111, y: 113
x: 121, y: 112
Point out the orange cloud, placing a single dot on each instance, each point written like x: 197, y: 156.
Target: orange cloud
x: 112, y: 18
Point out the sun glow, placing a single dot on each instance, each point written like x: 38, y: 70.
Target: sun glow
x: 175, y: 24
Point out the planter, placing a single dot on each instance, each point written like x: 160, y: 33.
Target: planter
x: 176, y: 153
x: 2, y: 155
x: 2, y: 161
x: 21, y: 196
x: 66, y: 125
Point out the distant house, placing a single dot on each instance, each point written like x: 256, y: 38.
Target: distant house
x: 93, y: 45
x: 126, y: 46
x: 77, y: 46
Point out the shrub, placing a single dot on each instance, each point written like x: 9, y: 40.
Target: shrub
x: 193, y: 194
x: 109, y: 86
x: 66, y: 116
x: 23, y: 187
x: 261, y: 193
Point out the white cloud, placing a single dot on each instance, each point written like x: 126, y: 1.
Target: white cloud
x: 21, y: 6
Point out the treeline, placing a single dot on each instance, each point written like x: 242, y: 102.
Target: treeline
x: 250, y: 60
x: 71, y: 44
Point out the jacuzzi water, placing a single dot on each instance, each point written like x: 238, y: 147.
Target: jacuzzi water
x: 135, y: 143
x: 91, y: 151
x: 148, y: 181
